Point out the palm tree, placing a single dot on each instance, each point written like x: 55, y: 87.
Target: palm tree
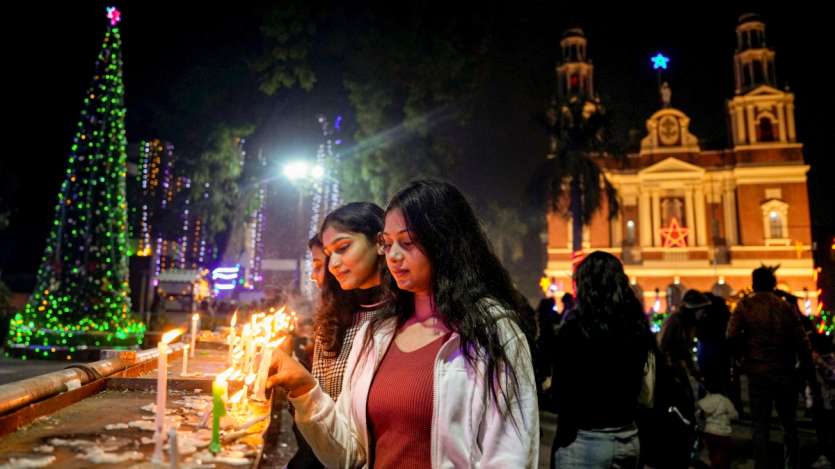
x: 506, y: 230
x: 573, y: 184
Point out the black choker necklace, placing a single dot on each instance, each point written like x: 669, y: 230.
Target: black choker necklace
x: 368, y: 297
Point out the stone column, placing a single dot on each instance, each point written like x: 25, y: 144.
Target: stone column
x: 691, y: 216
x: 645, y: 219
x: 740, y: 126
x: 701, y: 222
x: 781, y: 116
x: 656, y: 218
x: 752, y: 131
x: 616, y: 230
x: 729, y: 208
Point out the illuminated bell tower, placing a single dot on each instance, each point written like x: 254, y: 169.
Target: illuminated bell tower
x: 575, y: 72
x: 761, y: 114
x: 753, y: 61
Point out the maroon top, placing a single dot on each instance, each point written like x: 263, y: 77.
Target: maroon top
x: 400, y: 407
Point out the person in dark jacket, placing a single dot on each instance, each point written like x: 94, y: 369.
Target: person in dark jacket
x: 767, y: 336
x: 676, y: 344
x: 602, y: 347
x: 713, y: 355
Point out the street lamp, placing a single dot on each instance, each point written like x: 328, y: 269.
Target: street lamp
x: 300, y: 170
x: 301, y: 173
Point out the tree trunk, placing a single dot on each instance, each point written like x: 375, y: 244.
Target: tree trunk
x: 576, y: 217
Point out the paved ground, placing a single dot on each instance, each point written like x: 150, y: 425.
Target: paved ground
x: 15, y: 370
x: 742, y: 446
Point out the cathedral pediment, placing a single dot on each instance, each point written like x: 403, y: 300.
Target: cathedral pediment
x: 671, y: 169
x: 669, y: 132
x: 764, y: 90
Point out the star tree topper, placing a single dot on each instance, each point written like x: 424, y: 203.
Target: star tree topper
x: 659, y: 61
x: 114, y: 15
x: 675, y: 235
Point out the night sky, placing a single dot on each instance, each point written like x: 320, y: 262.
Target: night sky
x: 50, y: 51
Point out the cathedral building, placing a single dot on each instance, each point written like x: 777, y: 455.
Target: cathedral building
x: 696, y: 218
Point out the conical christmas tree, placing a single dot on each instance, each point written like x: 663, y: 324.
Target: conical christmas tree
x: 81, y: 297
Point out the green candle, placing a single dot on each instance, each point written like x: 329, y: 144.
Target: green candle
x: 219, y: 389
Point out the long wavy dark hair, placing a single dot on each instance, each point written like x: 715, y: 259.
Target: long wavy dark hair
x: 338, y: 307
x: 465, y: 272
x: 607, y: 307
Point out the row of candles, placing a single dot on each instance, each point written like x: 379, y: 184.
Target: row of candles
x: 249, y: 357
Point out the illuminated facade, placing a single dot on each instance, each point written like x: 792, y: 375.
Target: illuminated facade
x: 703, y: 219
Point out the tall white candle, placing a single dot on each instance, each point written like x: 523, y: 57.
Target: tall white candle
x: 232, y: 335
x: 194, y: 319
x: 185, y: 360
x: 173, y: 450
x: 263, y: 369
x: 162, y: 392
x: 249, y: 341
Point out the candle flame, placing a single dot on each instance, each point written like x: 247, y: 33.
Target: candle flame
x: 250, y: 378
x: 278, y: 342
x: 223, y: 376
x: 235, y: 318
x: 171, y: 335
x: 195, y: 316
x: 237, y: 397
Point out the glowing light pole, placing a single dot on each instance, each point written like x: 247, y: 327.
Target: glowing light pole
x: 301, y: 173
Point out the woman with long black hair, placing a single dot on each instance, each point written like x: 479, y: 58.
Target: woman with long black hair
x: 352, y: 270
x: 604, y: 345
x: 442, y: 377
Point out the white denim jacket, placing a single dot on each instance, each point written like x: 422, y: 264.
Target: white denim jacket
x: 468, y: 429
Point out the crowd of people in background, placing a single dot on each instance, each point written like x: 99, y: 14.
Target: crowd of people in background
x: 700, y: 355
x: 420, y: 352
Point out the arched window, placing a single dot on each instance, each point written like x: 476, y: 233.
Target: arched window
x: 775, y: 214
x: 759, y: 75
x: 574, y: 83
x: 765, y: 130
x: 775, y: 225
x: 746, y: 75
x: 629, y: 240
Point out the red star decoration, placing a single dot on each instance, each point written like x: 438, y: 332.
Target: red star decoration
x: 675, y: 235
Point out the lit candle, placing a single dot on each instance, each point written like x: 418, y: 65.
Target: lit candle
x: 232, y: 335
x: 219, y: 389
x: 162, y: 391
x: 194, y: 319
x: 263, y: 369
x: 185, y: 360
x: 173, y: 450
x: 249, y: 340
x: 237, y: 400
x: 248, y: 381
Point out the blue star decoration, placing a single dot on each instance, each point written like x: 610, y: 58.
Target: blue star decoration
x: 659, y: 61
